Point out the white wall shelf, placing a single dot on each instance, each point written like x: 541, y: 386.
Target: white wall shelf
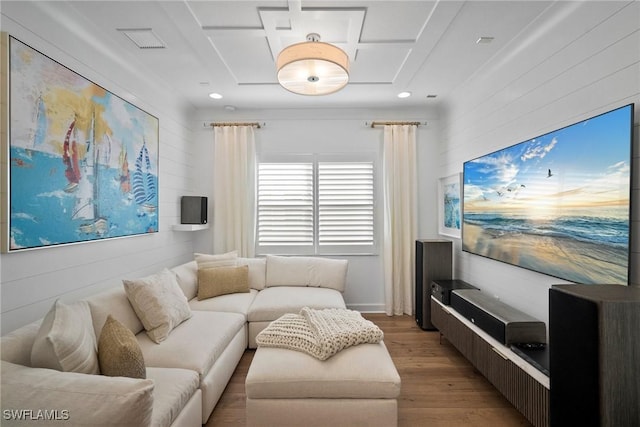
x: 189, y: 227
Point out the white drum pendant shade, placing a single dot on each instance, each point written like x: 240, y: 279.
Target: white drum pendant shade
x: 313, y: 68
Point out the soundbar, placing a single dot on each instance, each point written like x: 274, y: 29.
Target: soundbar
x: 502, y: 322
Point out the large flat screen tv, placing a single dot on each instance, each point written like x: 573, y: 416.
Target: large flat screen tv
x: 558, y: 204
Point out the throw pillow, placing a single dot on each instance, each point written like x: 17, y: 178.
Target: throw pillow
x: 257, y: 271
x: 159, y: 303
x: 228, y: 259
x: 213, y: 282
x: 119, y: 353
x: 66, y: 340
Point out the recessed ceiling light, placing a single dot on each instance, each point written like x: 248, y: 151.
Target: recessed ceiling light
x: 215, y: 95
x: 484, y: 40
x: 404, y: 94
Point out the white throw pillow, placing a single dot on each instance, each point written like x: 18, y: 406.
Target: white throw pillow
x: 159, y: 303
x: 228, y: 259
x: 257, y: 271
x: 66, y: 340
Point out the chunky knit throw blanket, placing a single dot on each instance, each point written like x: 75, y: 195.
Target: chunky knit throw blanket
x: 320, y: 333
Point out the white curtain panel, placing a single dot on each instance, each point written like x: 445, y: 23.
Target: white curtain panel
x: 234, y: 190
x: 400, y: 217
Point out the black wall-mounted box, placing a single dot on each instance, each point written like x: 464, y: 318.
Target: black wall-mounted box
x: 193, y: 210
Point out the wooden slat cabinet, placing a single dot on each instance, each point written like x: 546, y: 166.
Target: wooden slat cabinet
x: 453, y: 329
x: 519, y: 382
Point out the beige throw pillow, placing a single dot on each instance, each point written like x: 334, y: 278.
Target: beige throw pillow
x: 213, y: 282
x: 229, y: 259
x: 159, y: 303
x: 119, y: 353
x: 66, y: 340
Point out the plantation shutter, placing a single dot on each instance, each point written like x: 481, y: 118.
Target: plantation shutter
x: 285, y: 206
x: 345, y: 206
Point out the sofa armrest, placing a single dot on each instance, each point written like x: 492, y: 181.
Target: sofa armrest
x: 16, y: 345
x: 31, y: 396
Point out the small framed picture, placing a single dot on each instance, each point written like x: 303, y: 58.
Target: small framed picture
x: 449, y: 212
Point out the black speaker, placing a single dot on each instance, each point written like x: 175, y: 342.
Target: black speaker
x: 193, y: 210
x: 441, y: 289
x: 593, y: 355
x: 434, y: 260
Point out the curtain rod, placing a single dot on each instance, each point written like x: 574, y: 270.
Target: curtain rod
x: 374, y: 124
x: 254, y: 124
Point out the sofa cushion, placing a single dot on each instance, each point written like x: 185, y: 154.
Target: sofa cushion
x: 216, y: 281
x: 364, y: 371
x: 257, y: 271
x: 66, y: 340
x: 230, y: 303
x: 306, y: 271
x: 187, y: 276
x: 195, y: 344
x: 228, y: 259
x: 272, y: 303
x: 88, y: 400
x: 119, y: 353
x: 173, y: 389
x: 113, y: 302
x: 159, y: 303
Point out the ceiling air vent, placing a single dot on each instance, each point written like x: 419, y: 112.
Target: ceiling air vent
x: 144, y: 38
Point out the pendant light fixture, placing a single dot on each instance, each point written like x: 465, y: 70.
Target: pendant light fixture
x: 313, y: 67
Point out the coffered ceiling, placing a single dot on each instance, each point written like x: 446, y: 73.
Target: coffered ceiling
x: 429, y: 48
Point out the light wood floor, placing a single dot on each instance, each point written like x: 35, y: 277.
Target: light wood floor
x: 439, y: 386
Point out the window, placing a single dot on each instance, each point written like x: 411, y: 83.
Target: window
x: 316, y: 205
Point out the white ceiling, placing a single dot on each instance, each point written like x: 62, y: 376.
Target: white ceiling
x: 229, y: 47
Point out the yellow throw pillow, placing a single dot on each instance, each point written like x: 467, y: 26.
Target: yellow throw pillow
x: 213, y: 282
x: 119, y: 352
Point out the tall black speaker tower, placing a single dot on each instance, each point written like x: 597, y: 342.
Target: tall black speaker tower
x: 433, y: 262
x: 594, y: 344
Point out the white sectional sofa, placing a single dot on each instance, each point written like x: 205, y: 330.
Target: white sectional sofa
x: 187, y: 372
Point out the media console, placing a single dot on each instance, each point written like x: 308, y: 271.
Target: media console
x: 519, y: 374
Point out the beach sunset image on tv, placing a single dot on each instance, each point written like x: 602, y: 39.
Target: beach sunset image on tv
x: 558, y: 204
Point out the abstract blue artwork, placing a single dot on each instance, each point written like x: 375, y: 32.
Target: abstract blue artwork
x: 83, y: 163
x: 449, y: 205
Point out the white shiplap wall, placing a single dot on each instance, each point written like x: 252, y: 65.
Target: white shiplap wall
x: 583, y: 61
x: 30, y: 281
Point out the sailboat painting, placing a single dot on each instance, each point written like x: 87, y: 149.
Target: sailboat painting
x: 83, y: 162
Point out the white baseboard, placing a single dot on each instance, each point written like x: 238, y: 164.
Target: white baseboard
x: 367, y: 308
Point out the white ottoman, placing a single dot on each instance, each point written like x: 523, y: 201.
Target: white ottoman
x: 359, y: 386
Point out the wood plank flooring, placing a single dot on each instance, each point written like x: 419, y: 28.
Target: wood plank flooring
x: 440, y: 388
